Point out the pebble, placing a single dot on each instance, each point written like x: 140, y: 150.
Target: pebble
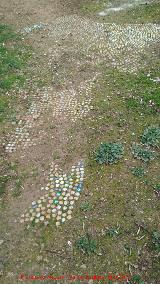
x: 83, y: 266
x: 1, y: 242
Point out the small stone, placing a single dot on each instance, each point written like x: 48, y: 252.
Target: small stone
x: 1, y: 242
x: 69, y: 217
x: 83, y: 266
x: 39, y: 258
x: 41, y: 218
x: 58, y: 218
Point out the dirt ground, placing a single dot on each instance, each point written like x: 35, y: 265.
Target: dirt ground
x: 68, y: 56
x: 22, y: 13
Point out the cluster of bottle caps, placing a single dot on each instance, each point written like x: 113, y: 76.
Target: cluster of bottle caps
x: 58, y: 203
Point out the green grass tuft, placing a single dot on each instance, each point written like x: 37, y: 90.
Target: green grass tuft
x: 3, y: 183
x: 113, y: 232
x: 155, y: 239
x: 109, y: 153
x: 86, y: 244
x: 143, y: 154
x: 151, y: 136
x: 136, y: 279
x: 138, y: 171
x: 156, y: 187
x: 86, y: 206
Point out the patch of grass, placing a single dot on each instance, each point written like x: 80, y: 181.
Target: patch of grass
x: 93, y: 6
x: 143, y: 154
x: 114, y: 187
x: 86, y: 244
x: 140, y: 14
x: 3, y: 107
x: 141, y: 93
x: 132, y: 103
x: 13, y: 57
x: 145, y: 13
x: 146, y: 103
x: 151, y: 100
x: 109, y: 153
x: 151, y: 136
x: 7, y: 33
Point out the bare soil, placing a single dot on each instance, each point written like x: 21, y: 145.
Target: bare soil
x: 58, y: 139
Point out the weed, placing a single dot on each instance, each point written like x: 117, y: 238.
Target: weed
x: 109, y: 153
x: 138, y: 171
x: 147, y: 182
x: 136, y: 279
x: 17, y: 189
x: 151, y: 136
x: 155, y: 240
x: 3, y: 182
x: 143, y: 154
x: 86, y: 244
x: 113, y: 232
x: 55, y: 156
x: 128, y: 249
x: 86, y: 206
x: 156, y: 187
